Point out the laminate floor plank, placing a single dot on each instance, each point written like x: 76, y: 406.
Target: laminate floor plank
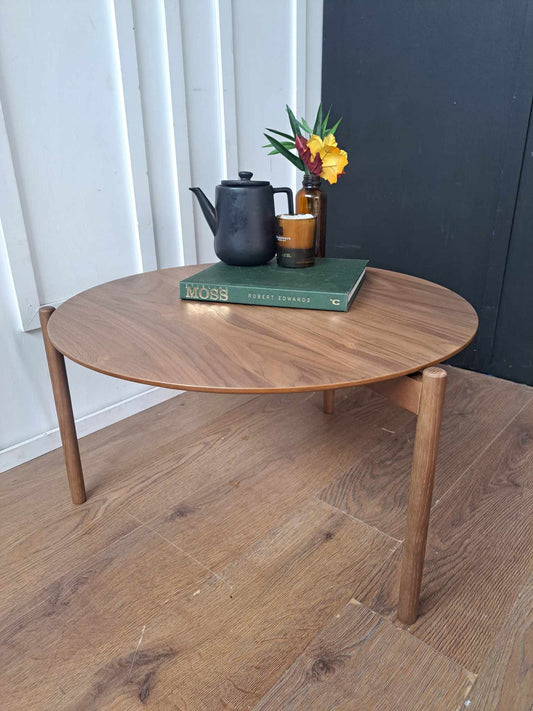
x: 103, y: 451
x: 276, y: 430
x: 261, y: 487
x: 205, y: 565
x: 174, y: 460
x: 284, y: 589
x: 111, y: 462
x: 42, y: 531
x: 361, y: 661
x: 375, y: 488
x: 55, y: 547
x: 505, y: 680
x: 240, y: 442
x: 225, y: 645
x: 479, y: 551
x: 53, y: 652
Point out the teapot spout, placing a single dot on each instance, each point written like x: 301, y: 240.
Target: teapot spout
x: 208, y: 209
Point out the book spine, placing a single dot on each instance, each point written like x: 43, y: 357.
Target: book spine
x: 361, y: 280
x: 285, y: 298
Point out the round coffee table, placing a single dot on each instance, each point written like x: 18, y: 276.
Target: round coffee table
x: 398, y: 328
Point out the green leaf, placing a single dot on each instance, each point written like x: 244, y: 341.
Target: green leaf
x: 294, y: 123
x: 332, y: 130
x: 318, y: 120
x: 295, y: 160
x: 270, y: 145
x: 325, y: 123
x: 305, y: 126
x: 287, y: 144
x: 280, y: 133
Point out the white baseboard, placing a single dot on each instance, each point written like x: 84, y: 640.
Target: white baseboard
x: 46, y: 442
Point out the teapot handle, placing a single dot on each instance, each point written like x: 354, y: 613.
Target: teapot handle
x: 289, y: 197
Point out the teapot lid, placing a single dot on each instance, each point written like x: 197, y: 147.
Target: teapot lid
x: 245, y: 181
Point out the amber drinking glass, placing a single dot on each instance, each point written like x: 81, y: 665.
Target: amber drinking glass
x: 295, y: 238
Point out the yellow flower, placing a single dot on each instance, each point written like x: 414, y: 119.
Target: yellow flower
x: 333, y: 159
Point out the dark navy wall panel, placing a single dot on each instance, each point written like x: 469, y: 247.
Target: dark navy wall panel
x: 436, y: 99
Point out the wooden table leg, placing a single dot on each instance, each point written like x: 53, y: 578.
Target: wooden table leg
x: 329, y: 401
x: 65, y: 416
x: 421, y: 489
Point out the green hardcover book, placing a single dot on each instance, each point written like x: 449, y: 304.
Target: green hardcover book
x: 330, y: 285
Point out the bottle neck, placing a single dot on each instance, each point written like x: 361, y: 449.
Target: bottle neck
x: 312, y: 181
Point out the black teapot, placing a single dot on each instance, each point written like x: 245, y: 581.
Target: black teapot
x: 243, y: 219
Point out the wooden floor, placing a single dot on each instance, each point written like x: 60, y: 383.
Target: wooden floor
x: 241, y: 552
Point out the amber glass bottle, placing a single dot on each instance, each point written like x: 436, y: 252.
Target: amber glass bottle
x: 312, y: 200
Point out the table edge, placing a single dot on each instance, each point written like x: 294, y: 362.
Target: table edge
x: 296, y: 389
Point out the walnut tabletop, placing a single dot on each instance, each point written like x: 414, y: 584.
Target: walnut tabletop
x: 138, y: 328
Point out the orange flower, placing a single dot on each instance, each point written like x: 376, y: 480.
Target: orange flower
x: 334, y: 160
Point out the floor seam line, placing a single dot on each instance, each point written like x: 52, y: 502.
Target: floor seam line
x: 412, y: 634
x: 199, y: 562
x: 354, y: 518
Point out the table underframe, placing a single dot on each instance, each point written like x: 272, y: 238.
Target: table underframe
x: 421, y: 393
